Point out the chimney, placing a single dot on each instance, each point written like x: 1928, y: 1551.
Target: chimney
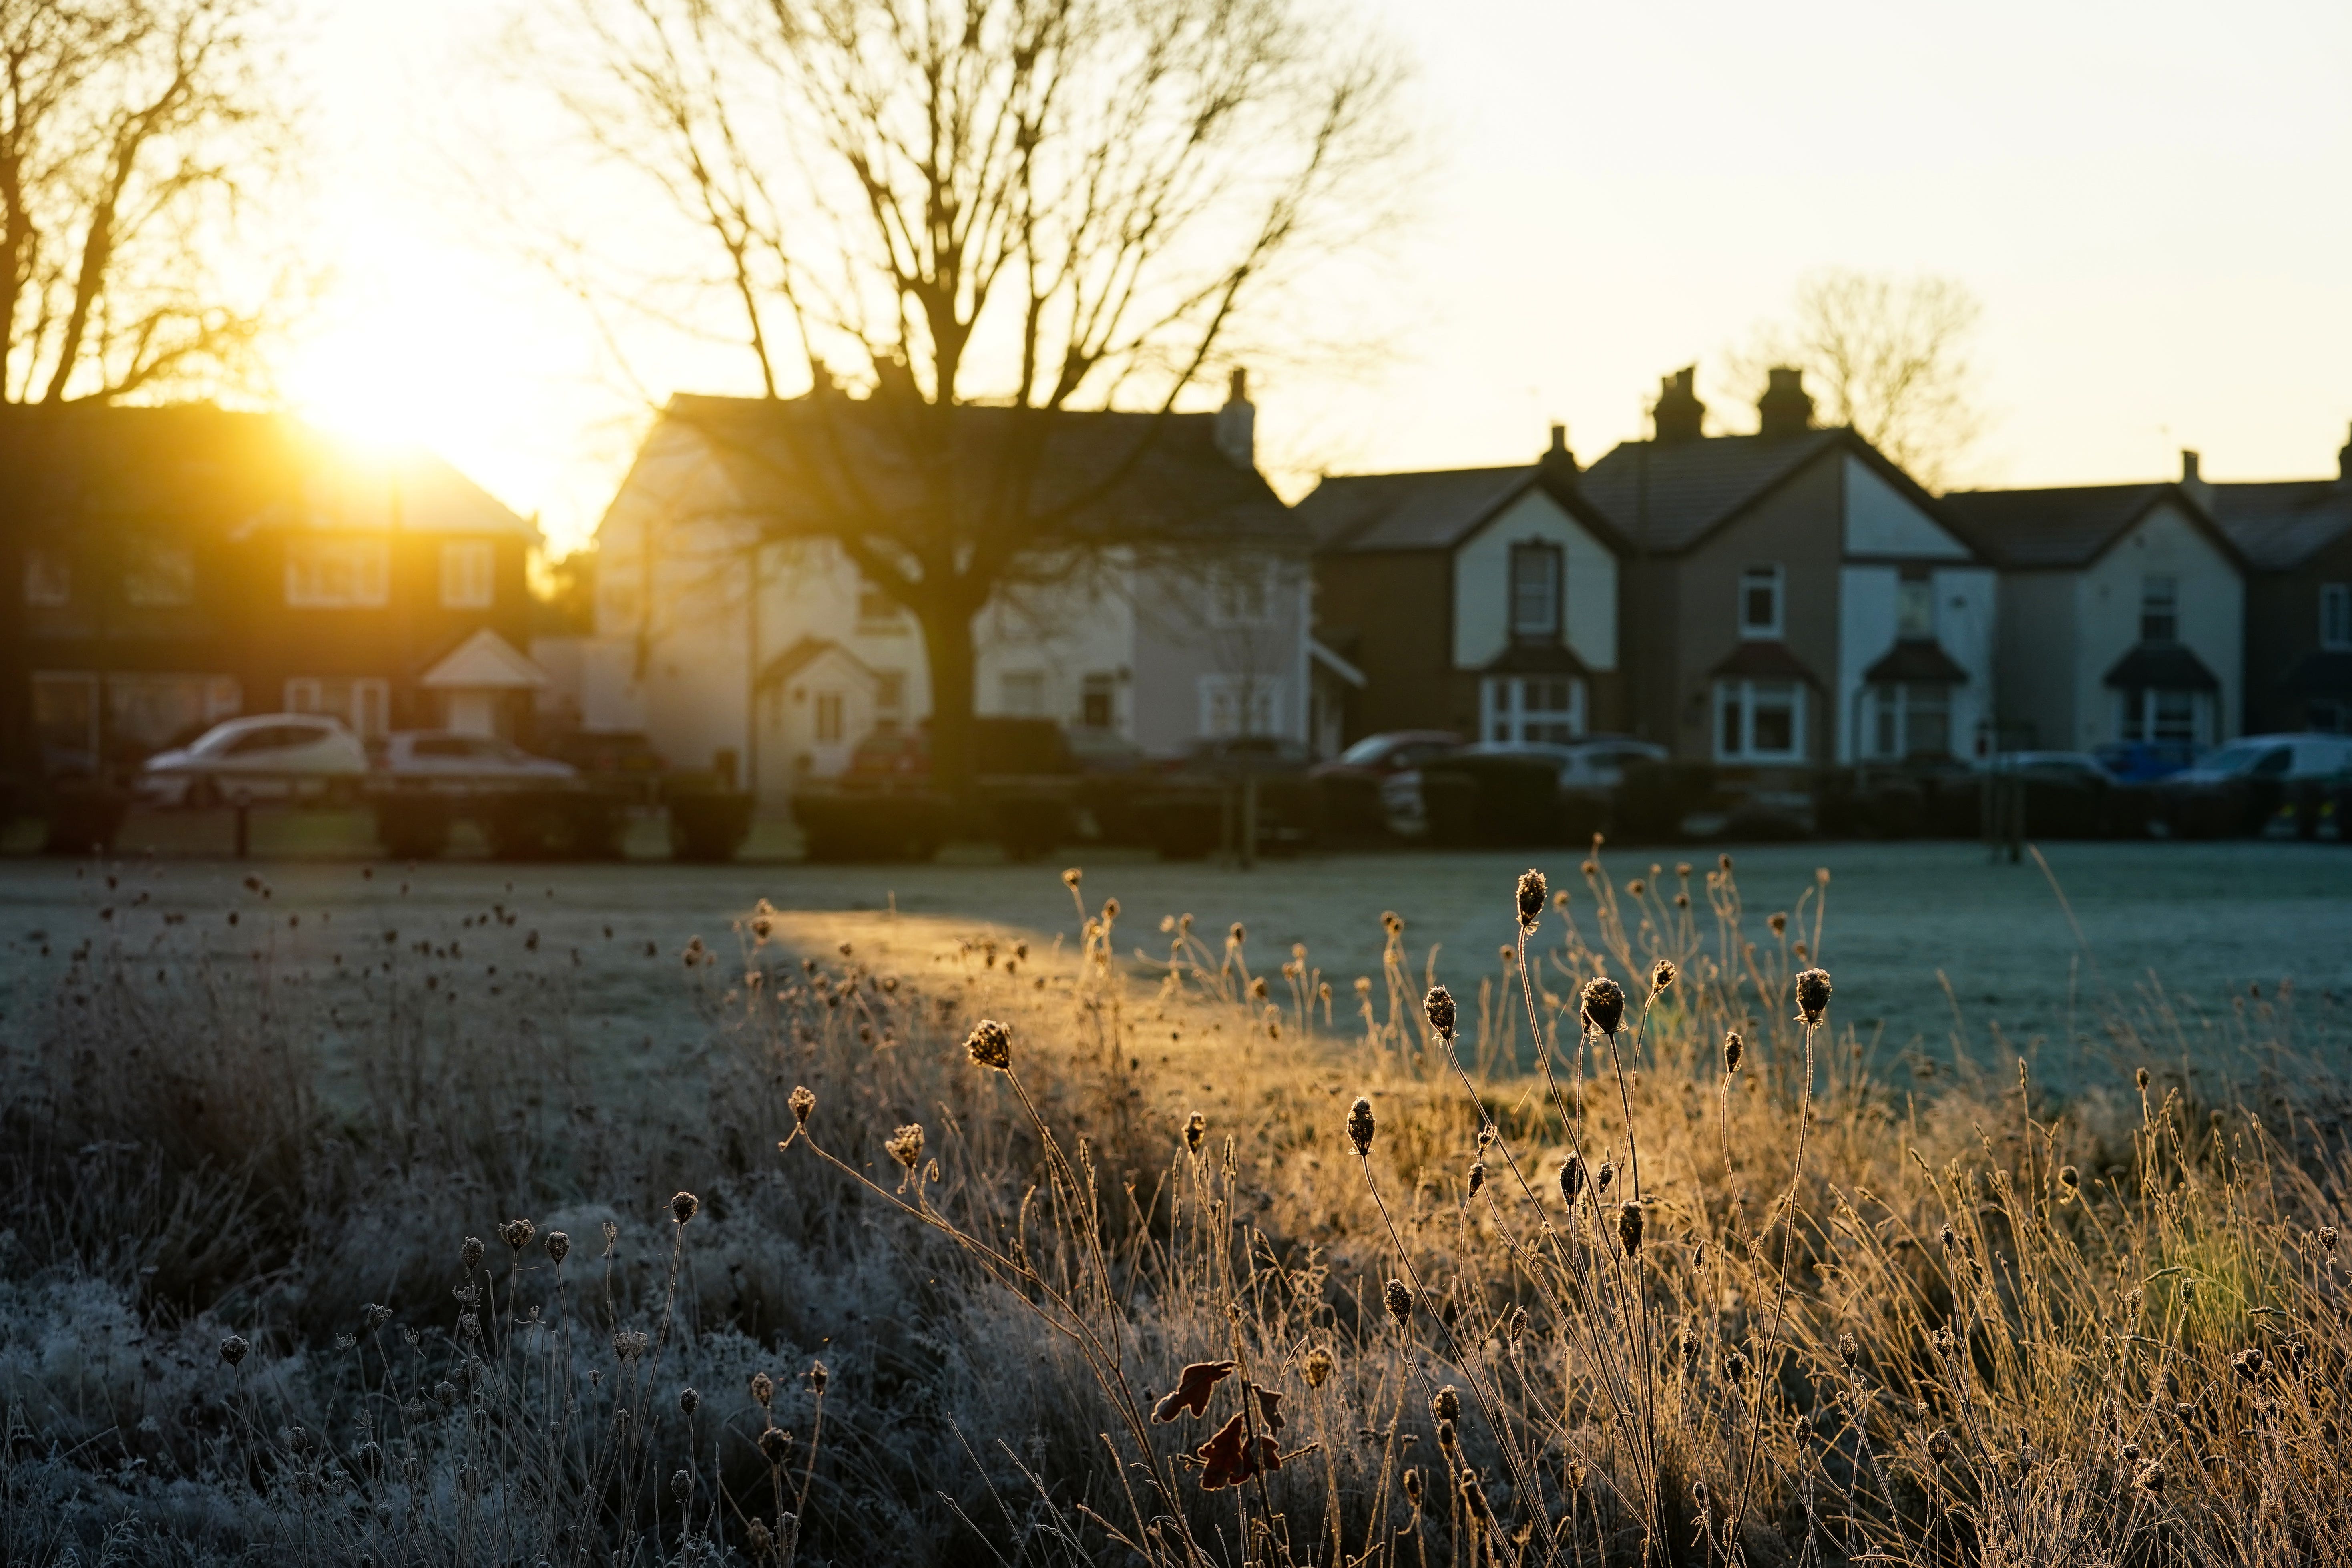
x: 1786, y: 408
x: 2344, y: 462
x: 1678, y: 414
x: 1236, y: 433
x: 2193, y: 481
x: 1556, y: 455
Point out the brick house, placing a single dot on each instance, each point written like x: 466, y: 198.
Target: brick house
x: 173, y: 566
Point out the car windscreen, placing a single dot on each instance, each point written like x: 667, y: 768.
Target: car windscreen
x: 2237, y: 759
x: 1366, y: 750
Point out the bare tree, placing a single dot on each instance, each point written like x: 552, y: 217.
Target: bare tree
x: 132, y: 135
x: 980, y: 218
x: 1889, y: 356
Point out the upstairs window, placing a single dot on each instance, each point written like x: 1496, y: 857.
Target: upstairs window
x: 468, y: 575
x: 49, y: 579
x: 1761, y: 593
x: 2335, y: 615
x: 1098, y: 700
x: 1915, y: 607
x: 1536, y: 591
x: 338, y: 574
x: 2160, y: 608
x: 160, y: 576
x: 1240, y: 594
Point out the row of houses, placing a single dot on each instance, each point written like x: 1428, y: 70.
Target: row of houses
x: 1782, y: 599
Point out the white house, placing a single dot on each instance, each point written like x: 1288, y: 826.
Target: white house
x: 2122, y: 613
x: 739, y: 637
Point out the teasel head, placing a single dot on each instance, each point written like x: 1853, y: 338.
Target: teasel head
x: 1474, y: 1502
x: 1413, y: 1488
x: 1629, y: 1228
x: 1662, y: 975
x: 1940, y: 1445
x: 681, y: 1484
x: 1315, y: 1367
x: 233, y: 1349
x: 990, y: 1044
x: 1447, y: 1404
x: 1572, y: 1177
x: 802, y: 1101
x: 1531, y: 898
x: 1196, y: 1130
x: 1438, y: 1005
x: 1359, y: 1125
x: 1603, y: 1007
x: 2326, y: 1238
x: 1602, y: 1177
x: 764, y: 1389
x: 469, y: 1253
x: 684, y: 1205
x: 1477, y: 1176
x: 1449, y: 1442
x: 1734, y: 1047
x: 688, y: 1401
x: 516, y: 1233
x: 1812, y: 996
x: 2151, y: 1480
x: 559, y: 1245
x: 1397, y: 1296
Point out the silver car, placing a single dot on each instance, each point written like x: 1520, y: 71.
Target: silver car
x: 264, y: 756
x: 456, y: 763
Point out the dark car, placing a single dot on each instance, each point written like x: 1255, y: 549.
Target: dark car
x: 885, y: 806
x: 2246, y: 785
x: 2066, y: 795
x: 1351, y: 783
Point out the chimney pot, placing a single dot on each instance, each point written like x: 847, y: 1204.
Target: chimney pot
x: 2344, y: 462
x: 1786, y: 408
x: 1678, y: 415
x: 2188, y: 474
x: 1236, y: 427
x: 1556, y: 455
x: 1559, y: 437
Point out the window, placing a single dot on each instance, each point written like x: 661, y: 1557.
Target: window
x: 1099, y: 702
x: 364, y: 704
x: 2178, y: 719
x: 1907, y: 721
x: 2160, y: 608
x: 49, y: 579
x: 338, y: 574
x: 1240, y: 705
x: 829, y: 717
x: 1240, y: 594
x: 889, y: 690
x: 2335, y: 615
x: 1760, y: 601
x: 161, y: 577
x: 468, y: 579
x: 1021, y: 693
x: 1535, y: 591
x: 1759, y: 720
x: 1547, y: 709
x: 1915, y: 607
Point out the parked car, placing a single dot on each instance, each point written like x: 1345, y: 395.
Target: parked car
x: 883, y: 805
x: 625, y: 754
x: 448, y: 760
x: 2069, y: 794
x: 1350, y: 783
x: 2245, y: 786
x: 264, y: 756
x: 1585, y: 777
x: 2143, y: 762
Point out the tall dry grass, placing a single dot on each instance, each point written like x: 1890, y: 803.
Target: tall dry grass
x: 1150, y: 1286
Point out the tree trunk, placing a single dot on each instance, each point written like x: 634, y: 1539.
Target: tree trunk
x: 948, y: 654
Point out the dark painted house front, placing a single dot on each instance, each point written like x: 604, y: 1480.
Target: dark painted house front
x: 2296, y: 537
x: 169, y: 567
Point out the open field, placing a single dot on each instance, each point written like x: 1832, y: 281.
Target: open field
x: 2209, y: 920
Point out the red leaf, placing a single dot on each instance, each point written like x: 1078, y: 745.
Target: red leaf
x: 1193, y: 1390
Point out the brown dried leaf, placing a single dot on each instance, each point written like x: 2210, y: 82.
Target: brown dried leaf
x: 1192, y: 1389
x: 1225, y: 1459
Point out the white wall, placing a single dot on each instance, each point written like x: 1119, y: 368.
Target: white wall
x: 1481, y: 584
x: 1880, y: 521
x: 2107, y: 612
x: 1180, y: 646
x: 2035, y: 674
x: 1966, y: 600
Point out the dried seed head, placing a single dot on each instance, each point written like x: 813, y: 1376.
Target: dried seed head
x: 2326, y: 1239
x: 1629, y: 1228
x: 2140, y: 1078
x: 2151, y: 1479
x: 516, y: 1233
x: 1813, y: 996
x: 1397, y: 1296
x: 687, y: 1400
x: 1606, y: 1174
x: 559, y: 1245
x: 1735, y: 1367
x: 2248, y: 1362
x: 1779, y: 923
x: 764, y: 1389
x: 1572, y: 1178
x: 1195, y: 1130
x: 1662, y: 975
x: 756, y: 1537
x: 1110, y: 913
x: 1734, y: 1047
x: 1514, y: 1325
x: 1698, y: 1494
x: 1413, y: 1486
x: 2130, y: 1453
x: 1474, y: 1501
x: 469, y: 1253
x: 1531, y: 898
x: 1447, y: 1404
x: 1236, y: 935
x: 802, y: 1101
x: 683, y: 1206
x: 1449, y: 1440
x: 1603, y: 1007
x: 1939, y: 1444
x: 905, y: 1145
x: 1439, y: 1008
x: 1316, y: 1368
x: 1073, y: 876
x: 1477, y: 1176
x: 1559, y: 901
x: 681, y: 1484
x: 1359, y: 1125
x: 990, y: 1045
x: 1258, y: 988
x: 629, y: 1343
x: 233, y: 1349
x: 1363, y: 985
x: 1390, y: 923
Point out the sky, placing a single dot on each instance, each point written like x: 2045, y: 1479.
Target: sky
x: 2153, y: 202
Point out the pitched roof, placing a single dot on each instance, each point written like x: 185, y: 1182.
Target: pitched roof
x: 2279, y: 526
x: 1105, y: 475
x: 1916, y: 661
x: 1758, y: 658
x: 193, y: 466
x: 1431, y: 511
x: 2164, y: 666
x: 1667, y: 496
x: 806, y: 652
x: 485, y: 661
x: 2069, y: 525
